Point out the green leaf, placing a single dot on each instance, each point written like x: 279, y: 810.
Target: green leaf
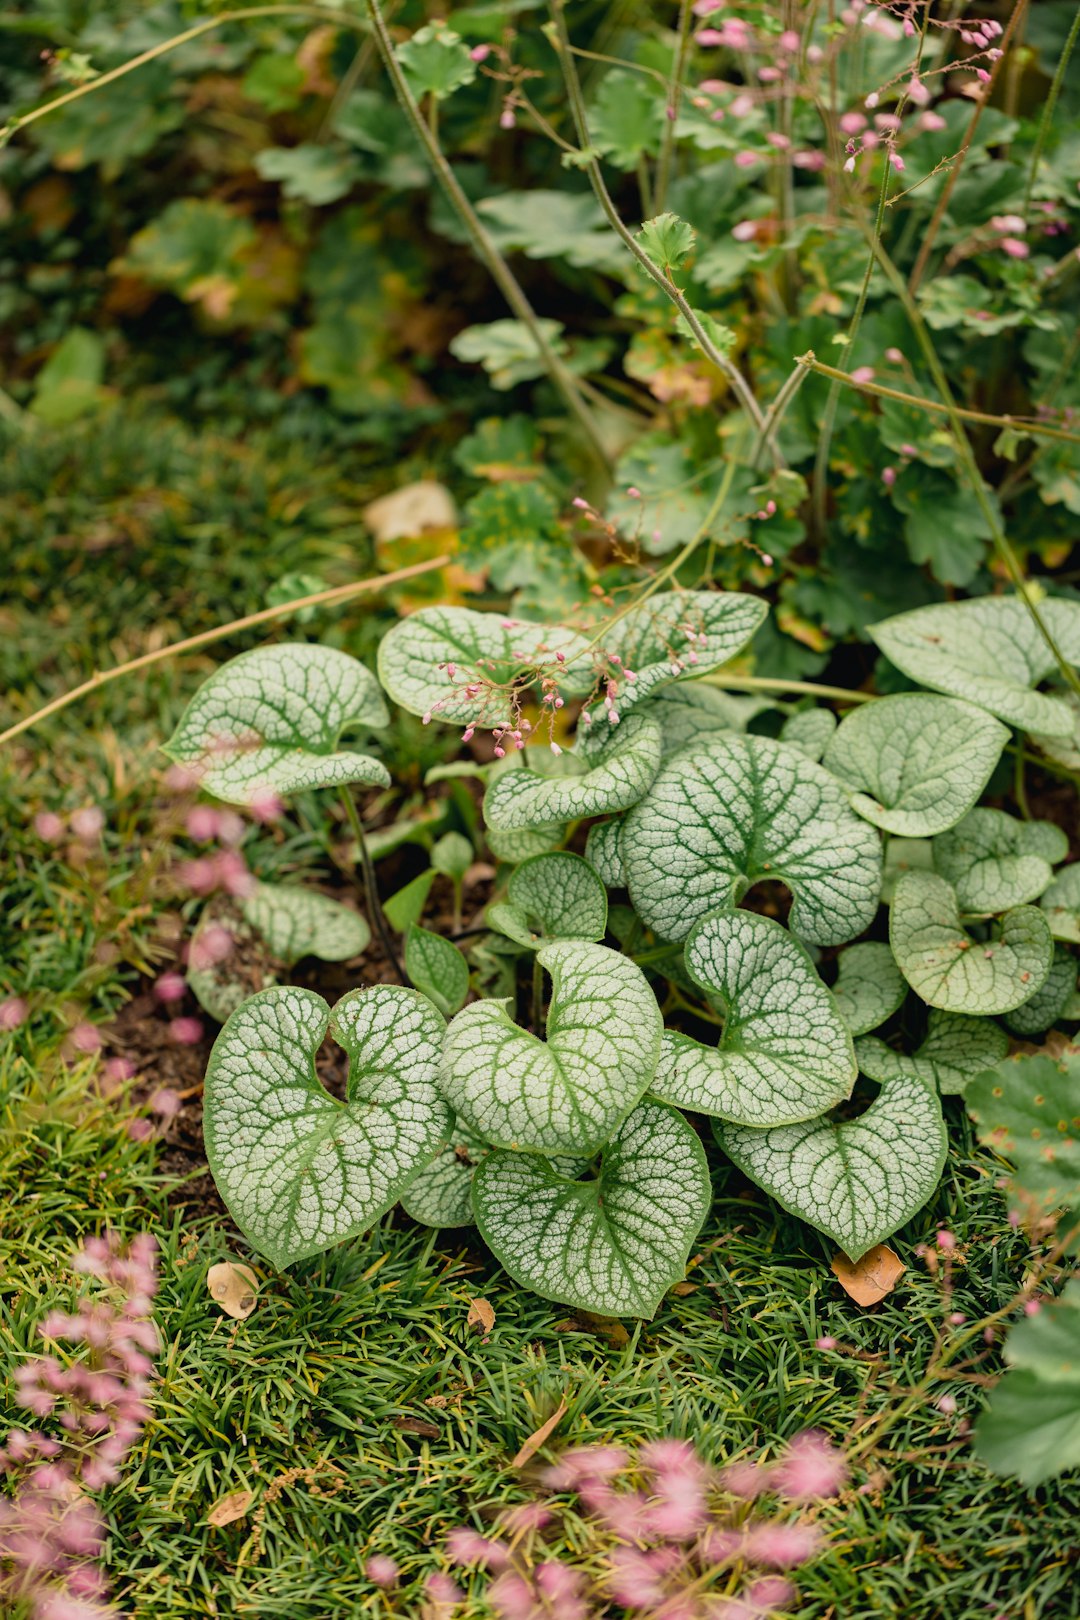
x: 299, y: 1170
x: 437, y: 968
x: 915, y: 763
x: 603, y: 851
x: 689, y: 711
x: 624, y: 770
x: 1048, y: 1343
x: 1025, y: 1109
x: 441, y: 1195
x: 667, y: 239
x: 554, y: 225
x: 869, y: 986
x: 276, y: 81
x: 810, y: 731
x: 511, y: 533
x: 555, y: 896
x: 269, y: 721
x: 994, y: 861
x: 1061, y: 903
x: 520, y: 843
x: 615, y: 1244
x: 677, y: 496
x: 723, y: 816
x: 69, y: 383
x: 785, y: 1053
x: 436, y: 62
x: 989, y: 651
x: 857, y: 1180
x: 949, y: 969
x: 191, y: 242
x: 626, y: 118
x: 404, y: 909
x: 956, y: 1049
x: 452, y: 855
x: 945, y: 527
x: 1065, y: 750
x: 680, y: 636
x: 904, y: 855
x: 296, y: 922
x: 410, y: 655
x: 309, y: 173
x: 1050, y: 1001
x: 1031, y: 1426
x: 568, y: 1093
x: 501, y: 448
x: 509, y: 354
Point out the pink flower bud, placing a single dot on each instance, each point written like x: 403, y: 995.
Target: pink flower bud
x: 745, y: 160
x: 165, y: 1102
x: 862, y: 374
x: 1032, y: 1307
x: 897, y: 162
x: 186, y: 1031
x: 170, y: 987
x: 894, y: 356
x: 202, y: 823
x: 947, y: 1404
x: 826, y: 1342
x: 85, y: 1038
x: 506, y: 118
x: 49, y: 826
x: 888, y: 476
x: 88, y: 823
x: 13, y: 1012
x: 500, y: 753
x: 946, y: 1241
x: 1014, y: 247
x: 480, y: 53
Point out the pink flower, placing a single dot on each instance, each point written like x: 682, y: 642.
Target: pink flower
x: 811, y: 1468
x: 947, y: 1405
x: 826, y: 1342
x: 85, y: 1038
x: 852, y: 122
x: 165, y: 1102
x: 746, y: 1479
x: 888, y: 476
x: 931, y: 121
x: 585, y: 1465
x: 49, y: 826
x: 13, y: 1012
x: 381, y: 1570
x: 945, y: 1240
x: 185, y: 1031
x: 202, y: 823
x: 745, y: 160
x: 87, y: 823
x: 862, y: 374
x: 1014, y: 247
x: 441, y: 1588
x: 745, y: 231
x: 465, y: 1546
x: 480, y: 53
x: 782, y: 1546
x: 170, y: 987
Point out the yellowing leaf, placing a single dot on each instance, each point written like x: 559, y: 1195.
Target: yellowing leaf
x: 234, y: 1287
x: 532, y: 1445
x: 227, y: 1509
x: 872, y: 1277
x: 481, y: 1314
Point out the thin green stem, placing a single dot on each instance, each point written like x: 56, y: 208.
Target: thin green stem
x: 767, y: 683
x: 560, y: 39
x: 671, y: 111
x: 371, y: 887
x: 1051, y: 103
x: 777, y: 411
x: 482, y: 242
x: 1037, y: 430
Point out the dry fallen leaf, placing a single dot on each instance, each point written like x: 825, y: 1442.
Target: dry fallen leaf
x: 227, y: 1509
x: 234, y: 1287
x: 532, y: 1445
x: 872, y: 1277
x: 480, y: 1315
x: 409, y: 511
x: 411, y: 1425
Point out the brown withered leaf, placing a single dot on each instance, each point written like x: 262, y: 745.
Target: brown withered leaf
x: 411, y: 511
x: 872, y: 1277
x: 411, y: 1425
x: 234, y: 1287
x: 481, y: 1315
x: 532, y: 1445
x: 227, y: 1509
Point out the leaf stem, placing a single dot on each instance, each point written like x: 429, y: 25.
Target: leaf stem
x: 768, y: 683
x: 1051, y: 102
x: 371, y: 887
x: 671, y: 110
x: 482, y: 242
x: 329, y: 598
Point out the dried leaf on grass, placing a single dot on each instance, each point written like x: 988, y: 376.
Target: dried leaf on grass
x: 411, y: 510
x: 874, y: 1276
x: 227, y: 1509
x: 481, y: 1314
x: 234, y: 1287
x: 532, y: 1445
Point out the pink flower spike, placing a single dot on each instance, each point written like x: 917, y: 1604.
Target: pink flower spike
x: 382, y: 1571
x: 13, y: 1012
x: 186, y: 1031
x: 170, y: 987
x: 49, y: 826
x: 826, y: 1342
x: 811, y: 1468
x: 945, y: 1240
x: 781, y: 1546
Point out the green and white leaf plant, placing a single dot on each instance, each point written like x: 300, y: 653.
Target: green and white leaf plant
x: 787, y: 928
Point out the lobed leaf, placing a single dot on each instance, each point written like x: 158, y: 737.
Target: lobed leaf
x: 989, y: 651
x: 623, y: 771
x: 270, y: 721
x: 857, y: 1180
x: 994, y: 861
x: 488, y: 647
x: 784, y: 1054
x: 555, y: 896
x: 915, y: 763
x: 298, y: 1169
x: 869, y: 986
x: 1026, y: 1110
x: 1031, y: 1426
x: 613, y: 1244
x: 739, y: 809
x: 568, y: 1093
x: 947, y: 967
x: 957, y: 1047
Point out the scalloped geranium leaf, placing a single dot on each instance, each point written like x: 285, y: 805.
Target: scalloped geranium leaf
x: 613, y: 1244
x: 1030, y: 1428
x: 428, y: 661
x: 989, y: 651
x: 556, y: 896
x: 680, y: 636
x: 784, y: 1054
x: 995, y: 861
x: 440, y: 1195
x: 1050, y: 1001
x: 568, y: 1093
x: 620, y: 774
x: 722, y: 817
x: 688, y: 711
x: 603, y: 851
x: 269, y: 722
x: 437, y: 968
x: 956, y: 1049
x: 948, y: 968
x: 1026, y: 1109
x: 296, y: 921
x: 869, y: 986
x: 1061, y: 903
x: 915, y: 763
x: 298, y: 1169
x: 810, y: 731
x: 859, y: 1179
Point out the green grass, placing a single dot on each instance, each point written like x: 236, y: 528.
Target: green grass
x: 314, y: 1402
